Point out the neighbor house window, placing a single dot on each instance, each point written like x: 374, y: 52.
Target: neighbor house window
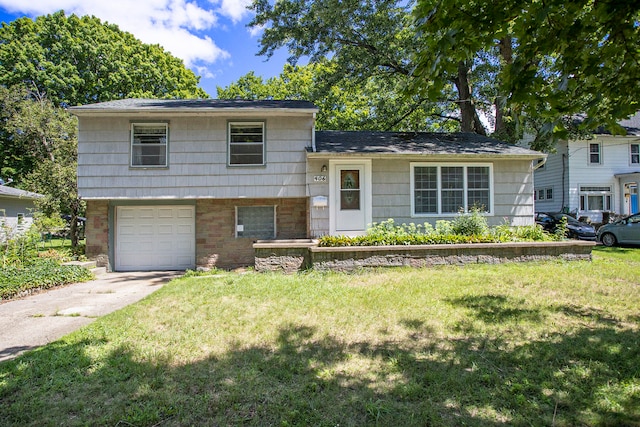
x: 246, y: 143
x: 544, y: 194
x: 634, y: 150
x: 258, y: 222
x: 595, y: 153
x: 595, y: 198
x: 149, y: 144
x: 447, y: 189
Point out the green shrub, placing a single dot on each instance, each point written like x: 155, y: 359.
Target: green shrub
x: 468, y: 227
x: 20, y: 250
x: 43, y: 274
x: 471, y: 223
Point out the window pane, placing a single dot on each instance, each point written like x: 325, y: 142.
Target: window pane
x: 549, y: 193
x: 149, y: 145
x: 425, y: 189
x: 452, y: 179
x: 349, y: 189
x: 594, y: 153
x: 596, y: 203
x: 635, y: 153
x: 256, y: 222
x: 478, y: 187
x: 246, y: 144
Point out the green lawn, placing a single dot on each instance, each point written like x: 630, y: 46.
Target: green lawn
x: 554, y: 343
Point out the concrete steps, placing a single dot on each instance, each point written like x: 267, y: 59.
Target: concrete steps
x: 91, y: 266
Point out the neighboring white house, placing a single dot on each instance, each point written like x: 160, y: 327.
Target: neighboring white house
x: 16, y: 210
x: 592, y: 177
x: 175, y: 184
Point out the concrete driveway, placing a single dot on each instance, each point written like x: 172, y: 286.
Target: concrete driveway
x: 39, y: 319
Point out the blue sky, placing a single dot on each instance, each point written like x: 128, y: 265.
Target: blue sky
x: 210, y: 36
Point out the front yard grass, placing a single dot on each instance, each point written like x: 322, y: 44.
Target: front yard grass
x: 552, y: 343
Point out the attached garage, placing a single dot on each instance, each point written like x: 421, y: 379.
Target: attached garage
x: 155, y: 238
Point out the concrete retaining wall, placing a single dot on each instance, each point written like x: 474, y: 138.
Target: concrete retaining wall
x: 293, y: 256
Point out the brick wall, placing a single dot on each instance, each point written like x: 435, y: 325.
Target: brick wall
x: 97, y: 232
x: 216, y: 244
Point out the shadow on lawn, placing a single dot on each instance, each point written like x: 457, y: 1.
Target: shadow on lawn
x: 301, y: 380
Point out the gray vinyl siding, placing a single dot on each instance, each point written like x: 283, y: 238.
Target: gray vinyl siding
x: 552, y: 176
x: 391, y: 191
x: 512, y: 184
x: 197, y: 160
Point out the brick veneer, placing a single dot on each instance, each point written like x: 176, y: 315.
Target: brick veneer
x: 216, y: 244
x: 97, y: 232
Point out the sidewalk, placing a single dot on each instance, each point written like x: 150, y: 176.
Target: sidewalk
x: 36, y: 320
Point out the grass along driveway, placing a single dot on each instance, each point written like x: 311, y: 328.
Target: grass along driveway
x: 551, y: 343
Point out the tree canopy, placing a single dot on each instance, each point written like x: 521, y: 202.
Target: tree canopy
x: 559, y: 59
x: 80, y: 60
x: 347, y: 104
x: 535, y: 63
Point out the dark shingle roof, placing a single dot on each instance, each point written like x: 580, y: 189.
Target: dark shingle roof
x: 16, y: 193
x: 344, y: 142
x: 138, y: 104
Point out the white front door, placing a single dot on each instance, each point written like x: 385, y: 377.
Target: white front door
x: 351, y: 197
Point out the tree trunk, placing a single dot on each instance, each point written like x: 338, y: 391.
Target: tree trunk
x: 469, y: 118
x: 503, y: 131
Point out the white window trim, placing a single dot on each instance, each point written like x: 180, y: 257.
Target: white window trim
x: 545, y: 191
x: 166, y: 144
x: 609, y: 194
x: 413, y: 165
x: 264, y: 143
x: 275, y: 220
x: 631, y: 154
x: 599, y: 162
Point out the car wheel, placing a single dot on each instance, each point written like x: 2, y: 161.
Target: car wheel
x: 608, y: 239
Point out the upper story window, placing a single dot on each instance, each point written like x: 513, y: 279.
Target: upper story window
x: 447, y: 189
x: 149, y: 144
x: 634, y: 151
x: 246, y: 143
x: 595, y: 153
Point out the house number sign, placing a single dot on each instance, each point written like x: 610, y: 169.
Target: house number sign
x: 319, y: 178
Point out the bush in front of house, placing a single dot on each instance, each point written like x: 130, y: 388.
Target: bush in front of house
x: 23, y: 268
x: 43, y: 274
x: 468, y: 227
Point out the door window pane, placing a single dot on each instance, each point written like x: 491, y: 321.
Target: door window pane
x: 349, y: 189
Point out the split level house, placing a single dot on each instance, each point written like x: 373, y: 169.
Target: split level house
x: 16, y: 210
x: 592, y: 178
x: 178, y: 184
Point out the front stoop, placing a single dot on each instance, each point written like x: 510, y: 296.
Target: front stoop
x: 89, y: 265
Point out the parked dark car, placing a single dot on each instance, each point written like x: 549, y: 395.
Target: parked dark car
x: 623, y: 231
x: 575, y: 229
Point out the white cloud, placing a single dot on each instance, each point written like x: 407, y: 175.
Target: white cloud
x: 234, y: 9
x: 176, y: 25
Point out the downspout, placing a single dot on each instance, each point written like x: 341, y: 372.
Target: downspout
x: 313, y: 134
x: 564, y: 171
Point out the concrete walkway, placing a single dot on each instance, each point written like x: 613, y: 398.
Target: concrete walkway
x: 39, y: 319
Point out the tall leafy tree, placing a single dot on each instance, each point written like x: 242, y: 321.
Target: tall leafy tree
x: 346, y: 104
x: 43, y: 152
x: 371, y: 45
x: 559, y: 59
x: 81, y: 60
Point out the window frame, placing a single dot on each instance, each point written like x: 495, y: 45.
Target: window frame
x: 545, y: 192
x: 586, y: 191
x: 230, y: 144
x: 633, y: 155
x: 132, y: 144
x: 592, y: 153
x: 255, y: 237
x: 465, y: 188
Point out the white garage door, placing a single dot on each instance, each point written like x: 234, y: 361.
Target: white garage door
x: 155, y: 238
